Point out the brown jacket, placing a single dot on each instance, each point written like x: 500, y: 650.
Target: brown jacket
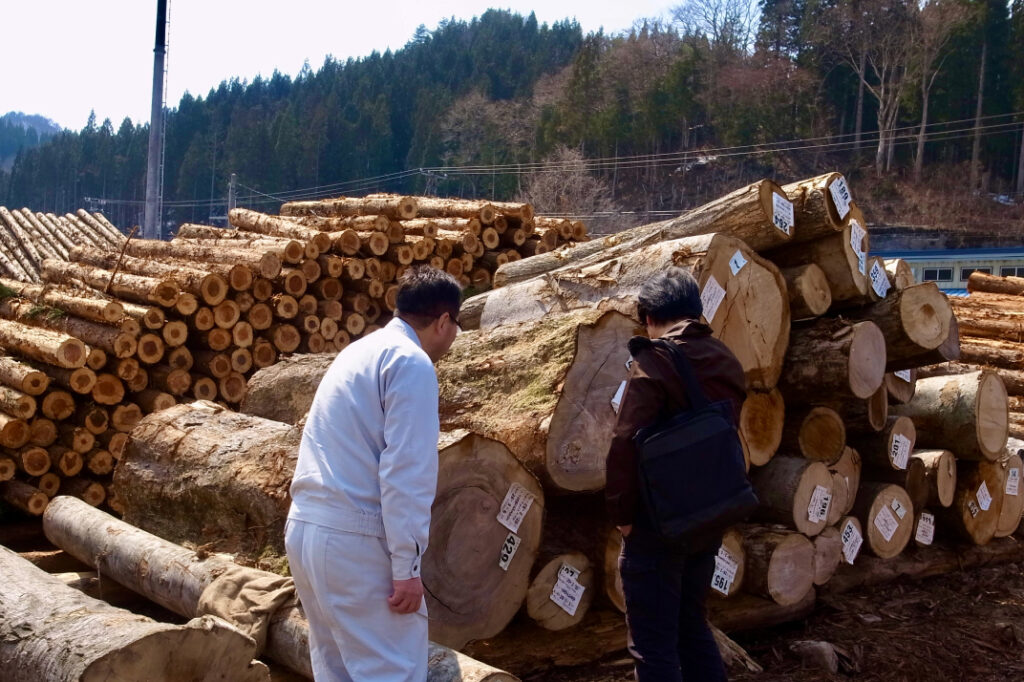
x: 655, y: 392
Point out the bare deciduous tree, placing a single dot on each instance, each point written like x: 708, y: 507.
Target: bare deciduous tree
x: 565, y: 187
x: 729, y: 25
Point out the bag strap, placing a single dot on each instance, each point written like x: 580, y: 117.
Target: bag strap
x: 685, y: 369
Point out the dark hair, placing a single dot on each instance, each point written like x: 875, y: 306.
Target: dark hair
x: 426, y: 293
x: 669, y: 296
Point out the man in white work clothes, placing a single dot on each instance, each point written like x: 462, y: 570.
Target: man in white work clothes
x: 363, y: 486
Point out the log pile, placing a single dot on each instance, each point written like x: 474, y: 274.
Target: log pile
x: 119, y: 328
x: 848, y: 446
x: 28, y: 238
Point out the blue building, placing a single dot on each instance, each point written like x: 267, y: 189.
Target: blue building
x: 950, y: 268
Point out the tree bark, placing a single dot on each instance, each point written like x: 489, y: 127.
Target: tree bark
x: 817, y: 214
x: 273, y: 226
x: 263, y: 262
x: 966, y: 413
x: 393, y: 207
x: 284, y: 391
x: 135, y: 288
x: 901, y: 386
x: 44, y: 345
x: 101, y: 309
x: 22, y: 377
x: 108, y: 339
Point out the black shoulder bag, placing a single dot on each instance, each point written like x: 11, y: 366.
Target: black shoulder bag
x: 693, y: 478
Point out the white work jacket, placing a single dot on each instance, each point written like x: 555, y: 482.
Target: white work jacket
x: 368, y: 458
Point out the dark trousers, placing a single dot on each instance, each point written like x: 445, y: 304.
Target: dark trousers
x: 665, y: 589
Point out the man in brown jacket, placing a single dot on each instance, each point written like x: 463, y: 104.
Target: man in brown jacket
x: 665, y: 583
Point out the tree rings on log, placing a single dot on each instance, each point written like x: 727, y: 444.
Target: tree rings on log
x: 794, y: 491
x: 552, y: 601
x: 762, y: 417
x: 476, y: 570
x: 780, y: 564
x: 887, y: 515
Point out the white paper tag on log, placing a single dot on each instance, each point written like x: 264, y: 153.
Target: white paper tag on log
x: 711, y: 298
x: 725, y: 572
x: 840, y: 196
x: 984, y: 497
x: 852, y: 541
x: 817, y: 510
x: 886, y: 523
x: 903, y: 374
x: 879, y: 279
x: 925, y: 529
x: 567, y: 591
x: 782, y: 213
x: 900, y: 451
x: 857, y: 234
x: 1013, y: 481
x: 518, y: 501
x: 617, y: 398
x: 898, y: 507
x: 508, y: 550
x: 737, y: 262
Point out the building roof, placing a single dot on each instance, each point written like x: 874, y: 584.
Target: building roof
x: 953, y: 254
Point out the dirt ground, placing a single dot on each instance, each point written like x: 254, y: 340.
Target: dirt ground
x: 965, y: 626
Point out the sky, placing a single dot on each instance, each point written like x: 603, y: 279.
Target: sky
x: 63, y: 58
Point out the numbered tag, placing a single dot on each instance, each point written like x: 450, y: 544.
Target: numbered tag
x: 817, y: 510
x: 903, y: 374
x: 567, y: 591
x: 897, y: 507
x: 972, y: 507
x: 840, y: 196
x: 508, y: 550
x: 900, y: 451
x: 886, y: 523
x: 984, y: 497
x: 1013, y: 481
x: 925, y: 529
x: 879, y: 279
x: 617, y: 398
x: 711, y: 298
x: 737, y: 262
x: 518, y: 501
x: 857, y: 234
x: 725, y: 572
x: 782, y: 213
x: 852, y: 541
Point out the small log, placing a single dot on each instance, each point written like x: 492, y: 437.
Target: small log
x: 842, y: 256
x: 809, y: 295
x: 780, y: 564
x: 929, y: 478
x: 1008, y: 286
x: 25, y: 497
x: 887, y: 514
x: 1012, y: 508
x: 77, y: 303
x: 32, y: 461
x: 900, y: 273
x: 901, y: 385
x: 913, y: 321
x: 821, y: 205
x: 828, y: 553
x: 974, y: 514
x: 964, y: 413
x: 108, y: 339
x: 888, y: 449
x: 833, y: 356
x: 540, y: 597
x: 849, y: 468
x: 264, y: 262
x: 44, y: 345
x: 42, y: 432
x: 761, y: 422
x: 392, y: 207
x: 136, y: 288
x: 794, y: 491
x: 22, y: 376
x: 90, y: 492
x: 816, y: 433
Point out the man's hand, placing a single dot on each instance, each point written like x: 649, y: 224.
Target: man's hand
x: 407, y: 597
x: 626, y: 530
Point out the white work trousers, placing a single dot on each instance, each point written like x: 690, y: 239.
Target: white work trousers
x: 344, y: 581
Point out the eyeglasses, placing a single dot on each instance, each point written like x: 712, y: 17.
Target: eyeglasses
x: 455, y: 319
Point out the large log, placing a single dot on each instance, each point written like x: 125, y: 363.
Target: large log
x: 794, y: 491
x: 475, y: 575
x: 1013, y: 495
x: 914, y: 321
x: 833, y: 357
x: 543, y: 389
x: 965, y: 413
x: 284, y: 391
x: 745, y: 299
x: 974, y: 514
x: 51, y: 632
x: 200, y: 473
x: 175, y: 578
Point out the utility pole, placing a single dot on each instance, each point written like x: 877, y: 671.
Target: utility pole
x: 232, y: 191
x: 151, y: 228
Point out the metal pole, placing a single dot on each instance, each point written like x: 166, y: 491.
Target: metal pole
x: 232, y: 191
x: 151, y: 226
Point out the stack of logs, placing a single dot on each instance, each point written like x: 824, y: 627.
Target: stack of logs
x: 126, y: 327
x: 27, y: 239
x: 847, y: 448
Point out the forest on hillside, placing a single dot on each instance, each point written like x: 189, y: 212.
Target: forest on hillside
x: 650, y: 121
